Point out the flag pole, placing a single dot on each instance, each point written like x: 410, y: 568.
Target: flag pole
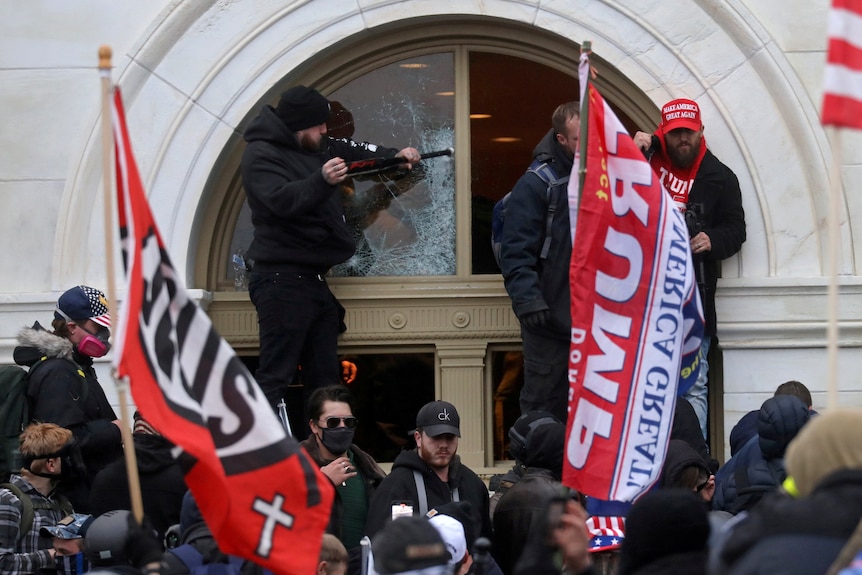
x: 832, y: 293
x: 584, y: 81
x: 121, y: 384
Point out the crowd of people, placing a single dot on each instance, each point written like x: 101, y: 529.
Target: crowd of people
x: 789, y: 500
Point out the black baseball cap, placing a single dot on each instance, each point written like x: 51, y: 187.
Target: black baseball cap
x: 437, y: 418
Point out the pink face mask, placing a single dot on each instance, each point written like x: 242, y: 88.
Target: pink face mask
x: 94, y: 346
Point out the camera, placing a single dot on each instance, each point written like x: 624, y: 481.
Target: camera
x: 694, y: 219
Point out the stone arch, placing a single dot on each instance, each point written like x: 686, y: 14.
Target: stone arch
x: 202, y: 67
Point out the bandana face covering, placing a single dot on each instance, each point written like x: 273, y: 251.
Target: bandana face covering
x: 71, y: 564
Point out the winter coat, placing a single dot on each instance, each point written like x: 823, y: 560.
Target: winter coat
x: 716, y: 189
x: 534, y: 284
x: 368, y: 469
x: 521, y: 510
x: 65, y: 390
x: 161, y: 478
x: 796, y: 536
x: 400, y: 486
x: 298, y: 217
x: 680, y: 456
x: 758, y: 467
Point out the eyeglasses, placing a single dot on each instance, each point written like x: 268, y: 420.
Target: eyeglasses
x: 349, y: 422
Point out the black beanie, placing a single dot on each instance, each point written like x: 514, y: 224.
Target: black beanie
x: 663, y: 522
x: 300, y: 108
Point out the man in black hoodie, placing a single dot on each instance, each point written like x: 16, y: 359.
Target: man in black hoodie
x: 538, y: 279
x: 430, y: 475
x: 291, y: 171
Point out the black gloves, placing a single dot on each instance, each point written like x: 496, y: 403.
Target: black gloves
x: 536, y: 319
x: 142, y: 546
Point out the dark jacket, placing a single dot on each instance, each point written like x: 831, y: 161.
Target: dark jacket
x: 796, y: 536
x: 161, y: 479
x: 400, y: 486
x: 758, y: 467
x: 200, y: 537
x: 532, y: 283
x: 716, y: 189
x: 686, y: 427
x: 680, y: 456
x: 520, y: 511
x: 368, y: 470
x: 64, y: 390
x: 298, y: 218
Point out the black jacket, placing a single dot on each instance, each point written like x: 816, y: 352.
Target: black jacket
x: 367, y: 468
x: 64, y: 390
x: 400, y: 486
x: 521, y: 510
x: 795, y: 536
x: 716, y: 189
x: 758, y: 468
x: 535, y: 284
x: 298, y: 218
x: 161, y: 479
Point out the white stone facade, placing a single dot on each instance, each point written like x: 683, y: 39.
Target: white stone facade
x: 191, y: 70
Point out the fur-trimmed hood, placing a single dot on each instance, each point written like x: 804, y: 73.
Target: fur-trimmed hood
x: 36, y: 342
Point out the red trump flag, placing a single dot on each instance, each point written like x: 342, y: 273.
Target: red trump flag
x: 842, y: 90
x: 637, y: 323
x: 260, y: 494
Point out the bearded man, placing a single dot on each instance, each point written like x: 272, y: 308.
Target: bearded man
x: 707, y: 193
x: 430, y: 475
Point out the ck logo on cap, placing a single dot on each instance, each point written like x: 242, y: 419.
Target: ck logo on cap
x: 443, y: 415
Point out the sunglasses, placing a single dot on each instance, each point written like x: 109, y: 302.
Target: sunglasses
x: 349, y: 422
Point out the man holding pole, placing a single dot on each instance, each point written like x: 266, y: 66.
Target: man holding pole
x: 290, y: 171
x: 707, y: 192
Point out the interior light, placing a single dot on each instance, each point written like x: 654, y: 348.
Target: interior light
x: 445, y: 93
x: 506, y: 139
x: 413, y: 65
x: 479, y: 116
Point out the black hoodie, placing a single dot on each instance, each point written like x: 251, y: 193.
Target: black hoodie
x: 298, y: 218
x: 400, y: 486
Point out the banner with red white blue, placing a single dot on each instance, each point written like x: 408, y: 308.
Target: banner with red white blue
x: 637, y: 321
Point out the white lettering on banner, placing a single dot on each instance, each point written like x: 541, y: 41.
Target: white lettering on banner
x: 599, y: 367
x: 677, y: 187
x: 665, y: 336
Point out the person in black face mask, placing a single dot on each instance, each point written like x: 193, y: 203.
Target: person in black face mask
x: 63, y: 387
x: 29, y: 500
x: 354, y: 473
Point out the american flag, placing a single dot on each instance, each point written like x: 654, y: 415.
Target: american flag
x: 842, y: 90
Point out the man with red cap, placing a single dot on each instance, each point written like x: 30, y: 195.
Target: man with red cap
x: 291, y: 171
x: 707, y: 192
x: 62, y: 385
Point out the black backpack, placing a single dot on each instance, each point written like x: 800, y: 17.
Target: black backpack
x: 14, y: 413
x: 29, y: 507
x: 547, y: 175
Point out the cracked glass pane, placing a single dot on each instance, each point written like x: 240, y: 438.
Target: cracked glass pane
x: 403, y: 221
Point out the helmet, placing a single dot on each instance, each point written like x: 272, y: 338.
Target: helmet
x: 520, y: 431
x: 106, y: 539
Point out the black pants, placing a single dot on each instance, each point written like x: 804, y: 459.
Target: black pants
x: 546, y: 369
x: 298, y: 320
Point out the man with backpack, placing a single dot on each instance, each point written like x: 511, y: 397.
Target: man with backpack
x: 535, y: 253
x: 28, y: 501
x: 62, y: 386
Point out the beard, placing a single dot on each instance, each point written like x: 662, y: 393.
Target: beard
x: 684, y: 156
x: 311, y: 143
x: 436, y: 459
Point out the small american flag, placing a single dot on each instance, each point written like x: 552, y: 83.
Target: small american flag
x: 842, y: 90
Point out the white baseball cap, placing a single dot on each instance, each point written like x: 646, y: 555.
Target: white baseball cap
x: 452, y: 532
